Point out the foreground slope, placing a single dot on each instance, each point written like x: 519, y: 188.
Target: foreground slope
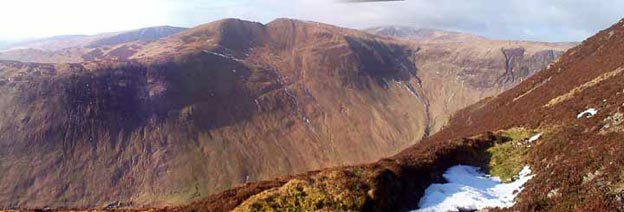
x: 577, y: 162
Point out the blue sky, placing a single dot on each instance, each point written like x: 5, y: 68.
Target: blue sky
x: 542, y: 20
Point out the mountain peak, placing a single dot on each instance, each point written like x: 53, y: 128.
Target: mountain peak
x: 253, y: 101
x: 539, y: 125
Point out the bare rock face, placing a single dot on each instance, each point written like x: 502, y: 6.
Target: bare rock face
x: 518, y: 68
x: 513, y: 60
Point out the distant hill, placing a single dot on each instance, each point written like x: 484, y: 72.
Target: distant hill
x: 75, y: 41
x: 145, y: 34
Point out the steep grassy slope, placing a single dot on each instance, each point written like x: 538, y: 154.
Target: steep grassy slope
x: 577, y: 162
x: 148, y: 124
x: 254, y: 102
x: 455, y: 69
x: 578, y: 165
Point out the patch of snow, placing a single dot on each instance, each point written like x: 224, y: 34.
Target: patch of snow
x: 410, y: 89
x: 470, y: 189
x: 587, y: 113
x: 222, y: 55
x: 534, y: 138
x: 257, y: 104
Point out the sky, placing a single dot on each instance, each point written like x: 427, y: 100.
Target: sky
x: 539, y: 20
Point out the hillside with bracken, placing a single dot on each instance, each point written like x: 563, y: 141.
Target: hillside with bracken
x: 565, y: 123
x: 132, y: 123
x: 210, y: 108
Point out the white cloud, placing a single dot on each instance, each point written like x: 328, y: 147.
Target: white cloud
x: 39, y: 18
x: 549, y: 20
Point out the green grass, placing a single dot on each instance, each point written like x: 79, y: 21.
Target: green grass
x: 333, y: 191
x: 508, y: 158
x: 518, y: 134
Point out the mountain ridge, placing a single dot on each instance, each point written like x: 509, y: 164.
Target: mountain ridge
x: 306, y: 94
x: 576, y: 163
x: 432, y: 34
x: 183, y: 123
x: 61, y: 42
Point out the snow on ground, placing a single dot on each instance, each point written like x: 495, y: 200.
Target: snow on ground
x: 410, y: 90
x: 222, y: 55
x: 588, y: 113
x: 470, y: 189
x: 534, y: 138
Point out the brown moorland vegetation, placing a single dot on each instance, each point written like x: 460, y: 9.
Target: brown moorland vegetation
x: 149, y: 124
x: 577, y: 164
